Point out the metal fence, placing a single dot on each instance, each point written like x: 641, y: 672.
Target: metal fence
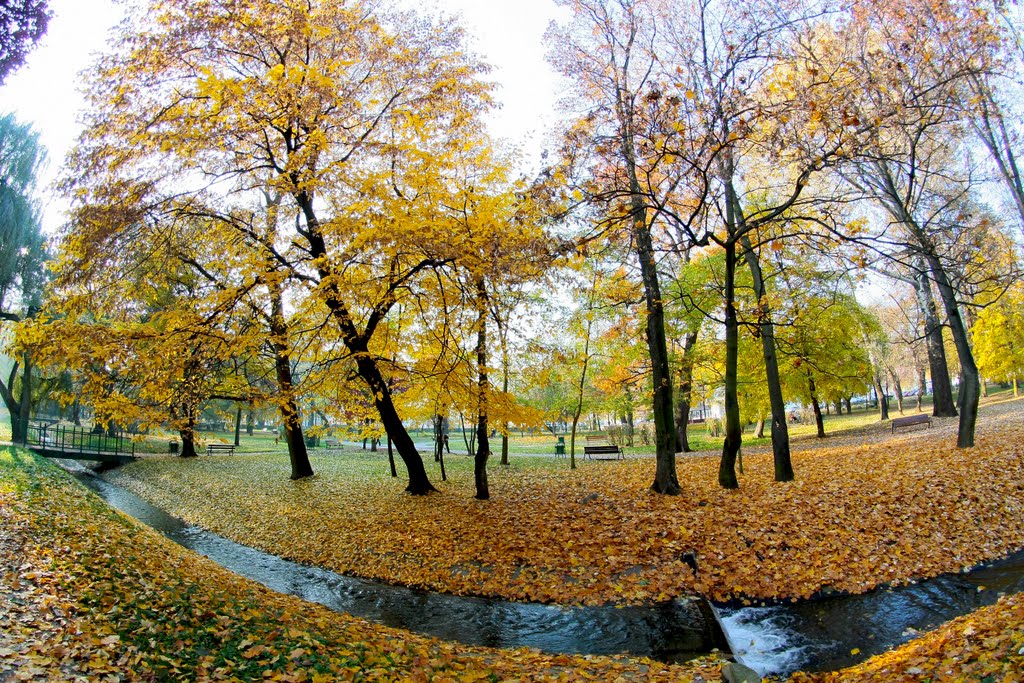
x: 72, y: 439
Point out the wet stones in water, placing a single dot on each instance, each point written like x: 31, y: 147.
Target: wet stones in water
x: 734, y: 672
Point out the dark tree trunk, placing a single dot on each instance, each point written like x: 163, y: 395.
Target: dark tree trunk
x: 883, y: 400
x: 970, y: 386
x: 849, y: 405
x: 733, y: 431
x: 438, y: 438
x: 942, y: 389
x: 685, y: 398
x: 780, y: 429
x: 922, y: 385
x: 666, y: 479
x: 297, y: 453
x: 483, y: 447
x: 358, y: 345
x: 13, y: 405
x: 238, y: 425
x: 419, y: 483
x: 819, y: 422
x: 391, y: 459
x: 504, y: 388
x: 188, y: 437
x: 250, y: 420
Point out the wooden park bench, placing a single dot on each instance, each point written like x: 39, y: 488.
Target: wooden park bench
x: 911, y: 420
x: 599, y: 448
x: 330, y: 443
x: 226, y: 448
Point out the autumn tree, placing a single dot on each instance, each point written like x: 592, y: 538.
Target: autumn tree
x: 22, y: 24
x: 497, y: 243
x: 913, y: 163
x: 608, y: 53
x: 821, y: 324
x: 22, y: 258
x: 773, y: 116
x: 998, y: 336
x: 346, y: 111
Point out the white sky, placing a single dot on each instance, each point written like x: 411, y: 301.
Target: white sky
x: 508, y: 35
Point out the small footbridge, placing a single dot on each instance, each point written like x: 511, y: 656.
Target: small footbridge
x: 52, y: 440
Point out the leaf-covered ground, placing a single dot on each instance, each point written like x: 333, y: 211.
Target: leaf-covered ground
x: 87, y: 594
x: 873, y: 510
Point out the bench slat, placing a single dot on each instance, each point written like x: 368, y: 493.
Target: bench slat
x: 910, y: 420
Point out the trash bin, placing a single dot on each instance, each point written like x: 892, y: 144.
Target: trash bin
x: 172, y: 447
x: 560, y: 446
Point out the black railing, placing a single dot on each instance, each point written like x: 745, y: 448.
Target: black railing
x: 57, y: 437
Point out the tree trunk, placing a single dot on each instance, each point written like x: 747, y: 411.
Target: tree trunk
x: 883, y: 400
x: 250, y: 420
x: 759, y: 428
x: 13, y: 407
x: 483, y: 448
x: 780, y: 429
x: 391, y: 458
x: 666, y: 479
x: 188, y: 437
x: 503, y: 334
x: 942, y: 389
x: 970, y: 386
x: 238, y: 425
x: 419, y: 483
x: 733, y: 432
x: 25, y: 405
x: 297, y: 454
x: 685, y: 398
x: 898, y: 389
x: 358, y: 345
x: 922, y: 385
x: 819, y: 422
x: 440, y: 443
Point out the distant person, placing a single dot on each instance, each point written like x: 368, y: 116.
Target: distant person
x: 447, y: 449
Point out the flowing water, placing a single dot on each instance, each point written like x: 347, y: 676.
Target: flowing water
x: 674, y: 632
x: 774, y: 640
x: 822, y: 635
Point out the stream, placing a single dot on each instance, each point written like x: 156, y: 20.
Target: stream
x: 821, y: 634
x: 816, y: 635
x: 674, y: 632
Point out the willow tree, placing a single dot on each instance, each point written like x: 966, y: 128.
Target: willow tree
x: 346, y: 110
x: 22, y: 256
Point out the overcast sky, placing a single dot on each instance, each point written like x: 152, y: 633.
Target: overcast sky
x: 508, y: 34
